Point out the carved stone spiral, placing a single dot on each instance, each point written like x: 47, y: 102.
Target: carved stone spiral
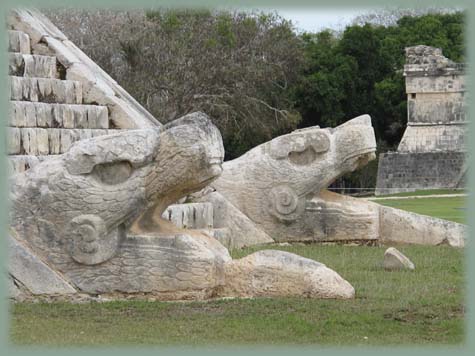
x: 285, y: 204
x: 90, y: 243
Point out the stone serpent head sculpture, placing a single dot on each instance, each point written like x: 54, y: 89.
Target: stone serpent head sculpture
x: 274, y: 183
x: 280, y: 186
x: 77, y: 211
x: 92, y: 218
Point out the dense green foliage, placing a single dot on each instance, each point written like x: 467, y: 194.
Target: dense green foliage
x: 237, y: 67
x: 256, y: 77
x: 360, y: 71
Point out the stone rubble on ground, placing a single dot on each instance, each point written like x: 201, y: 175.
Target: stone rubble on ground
x: 395, y: 260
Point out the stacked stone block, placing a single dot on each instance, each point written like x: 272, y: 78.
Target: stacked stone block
x: 47, y: 112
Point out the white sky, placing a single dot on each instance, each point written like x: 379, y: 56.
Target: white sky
x: 314, y: 20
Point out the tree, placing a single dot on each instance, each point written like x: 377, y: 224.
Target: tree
x: 237, y: 67
x: 256, y: 77
x: 359, y: 71
x: 390, y: 15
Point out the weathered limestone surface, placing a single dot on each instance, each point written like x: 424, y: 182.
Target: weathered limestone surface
x: 13, y: 140
x: 94, y: 216
x: 35, y: 24
x: 395, y: 260
x: 18, y: 42
x: 440, y: 138
x: 39, y: 141
x: 13, y: 291
x: 338, y: 217
x: 427, y: 109
x: 223, y: 235
x: 33, y: 273
x: 46, y: 103
x: 98, y: 86
x: 46, y: 90
x: 403, y: 226
x: 26, y: 65
x: 275, y: 273
x: 240, y: 230
x: 191, y: 216
x: 276, y: 184
x: 67, y: 116
x: 175, y: 265
x: 74, y: 210
x: 431, y: 84
x: 278, y: 189
x: 21, y: 163
x: 437, y: 125
x: 435, y: 169
x: 359, y: 219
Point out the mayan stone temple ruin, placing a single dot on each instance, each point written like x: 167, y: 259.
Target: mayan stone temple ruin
x: 432, y: 151
x: 108, y: 202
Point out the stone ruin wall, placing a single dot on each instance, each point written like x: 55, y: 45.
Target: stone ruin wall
x: 431, y: 153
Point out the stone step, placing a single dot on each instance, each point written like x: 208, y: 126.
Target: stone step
x: 39, y: 141
x: 190, y: 216
x: 45, y: 90
x: 21, y: 163
x: 32, y: 65
x: 68, y: 116
x: 18, y: 42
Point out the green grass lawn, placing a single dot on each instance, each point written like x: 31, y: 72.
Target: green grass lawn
x: 452, y: 208
x: 425, y: 306
x: 426, y: 192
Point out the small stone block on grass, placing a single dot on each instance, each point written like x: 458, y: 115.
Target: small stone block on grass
x: 395, y: 260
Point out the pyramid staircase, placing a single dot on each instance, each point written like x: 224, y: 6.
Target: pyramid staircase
x: 58, y: 96
x: 47, y: 112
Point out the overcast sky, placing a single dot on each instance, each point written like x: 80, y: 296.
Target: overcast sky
x: 314, y: 20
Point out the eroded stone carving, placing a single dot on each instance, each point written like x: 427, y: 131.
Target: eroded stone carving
x: 93, y: 215
x: 88, y: 209
x: 89, y: 241
x: 275, y: 183
x: 280, y: 186
x: 74, y: 209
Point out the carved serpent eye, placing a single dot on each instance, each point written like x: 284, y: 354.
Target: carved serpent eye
x: 301, y: 147
x: 112, y: 173
x: 303, y: 158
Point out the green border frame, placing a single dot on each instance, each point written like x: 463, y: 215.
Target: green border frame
x: 466, y: 349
